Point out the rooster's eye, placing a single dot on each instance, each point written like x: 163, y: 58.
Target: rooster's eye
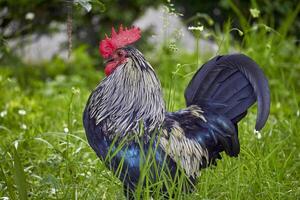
x: 120, y: 53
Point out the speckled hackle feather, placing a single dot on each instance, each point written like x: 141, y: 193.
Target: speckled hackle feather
x: 118, y: 40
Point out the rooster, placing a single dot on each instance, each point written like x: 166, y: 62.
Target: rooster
x: 129, y: 102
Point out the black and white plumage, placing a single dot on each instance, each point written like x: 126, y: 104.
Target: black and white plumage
x: 130, y: 98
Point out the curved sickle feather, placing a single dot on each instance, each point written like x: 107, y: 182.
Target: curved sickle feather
x: 231, y: 84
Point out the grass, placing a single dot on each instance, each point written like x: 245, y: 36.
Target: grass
x: 44, y: 153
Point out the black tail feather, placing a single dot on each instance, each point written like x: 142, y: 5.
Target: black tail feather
x: 231, y: 84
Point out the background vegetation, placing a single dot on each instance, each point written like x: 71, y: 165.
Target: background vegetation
x: 43, y: 150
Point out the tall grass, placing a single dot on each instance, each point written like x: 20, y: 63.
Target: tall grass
x: 44, y: 153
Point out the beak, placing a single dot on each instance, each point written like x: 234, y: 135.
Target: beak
x: 108, y: 60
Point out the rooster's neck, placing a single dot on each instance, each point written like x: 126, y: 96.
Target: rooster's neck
x: 129, y: 97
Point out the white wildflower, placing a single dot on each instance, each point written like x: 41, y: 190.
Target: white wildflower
x: 23, y: 126
x: 254, y: 27
x: 29, y: 16
x: 196, y: 28
x: 21, y: 112
x: 88, y: 173
x: 66, y: 130
x: 254, y: 12
x: 75, y: 90
x: 53, y: 191
x: 298, y: 113
x: 258, y: 134
x: 3, y: 113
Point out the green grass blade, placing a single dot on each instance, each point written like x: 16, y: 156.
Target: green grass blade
x: 289, y: 20
x: 9, y: 184
x: 19, y: 176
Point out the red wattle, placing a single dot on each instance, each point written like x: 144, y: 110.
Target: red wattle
x: 110, y: 67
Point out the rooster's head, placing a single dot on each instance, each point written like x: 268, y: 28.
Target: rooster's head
x: 131, y: 92
x: 113, y: 48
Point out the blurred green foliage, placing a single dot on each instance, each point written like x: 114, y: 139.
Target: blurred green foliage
x: 18, y: 18
x: 273, y: 12
x: 17, y: 22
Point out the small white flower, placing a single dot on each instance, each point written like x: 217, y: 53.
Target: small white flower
x: 66, y: 130
x: 258, y: 134
x: 21, y: 112
x: 53, y: 191
x: 75, y: 90
x: 298, y: 113
x: 196, y: 28
x: 3, y: 113
x: 29, y: 16
x: 254, y: 12
x: 5, y: 198
x: 23, y: 126
x: 88, y: 173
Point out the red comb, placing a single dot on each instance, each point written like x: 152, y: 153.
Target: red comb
x: 118, y: 40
